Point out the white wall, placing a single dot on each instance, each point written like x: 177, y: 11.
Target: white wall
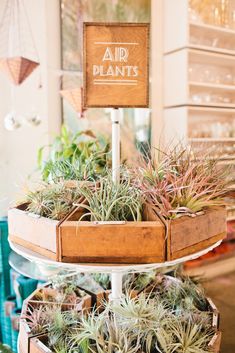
x: 18, y: 149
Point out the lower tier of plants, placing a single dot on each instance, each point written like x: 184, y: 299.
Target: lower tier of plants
x: 157, y: 314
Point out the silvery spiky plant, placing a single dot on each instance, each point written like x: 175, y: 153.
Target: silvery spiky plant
x: 152, y: 322
x: 109, y: 201
x: 53, y: 201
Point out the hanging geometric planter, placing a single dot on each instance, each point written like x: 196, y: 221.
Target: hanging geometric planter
x: 18, y: 54
x: 75, y: 98
x: 18, y: 68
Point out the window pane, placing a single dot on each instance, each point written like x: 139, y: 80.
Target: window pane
x: 135, y: 122
x: 75, y: 12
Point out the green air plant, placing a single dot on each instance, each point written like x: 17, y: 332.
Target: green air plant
x: 109, y: 201
x: 178, y: 182
x: 148, y: 323
x: 103, y: 279
x: 53, y: 201
x: 188, y: 338
x: 139, y: 281
x: 80, y: 156
x: 61, y: 324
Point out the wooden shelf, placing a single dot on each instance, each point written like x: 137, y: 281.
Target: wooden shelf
x: 215, y: 86
x: 212, y: 49
x: 211, y: 139
x: 188, y: 45
x: 214, y: 29
x: 208, y: 31
x: 211, y: 109
x: 214, y: 105
x: 211, y: 58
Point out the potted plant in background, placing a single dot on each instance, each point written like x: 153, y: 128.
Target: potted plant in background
x: 75, y: 157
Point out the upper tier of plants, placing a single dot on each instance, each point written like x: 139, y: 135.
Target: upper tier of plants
x: 170, y: 183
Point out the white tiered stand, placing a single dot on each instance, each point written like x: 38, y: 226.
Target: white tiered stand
x: 115, y: 270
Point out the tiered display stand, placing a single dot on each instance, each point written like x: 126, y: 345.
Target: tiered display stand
x: 117, y: 270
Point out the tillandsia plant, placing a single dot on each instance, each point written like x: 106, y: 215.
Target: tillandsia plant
x: 80, y: 156
x: 150, y: 323
x: 37, y: 319
x: 60, y: 293
x: 140, y: 324
x: 109, y: 201
x: 53, y: 201
x: 178, y: 181
x: 104, y: 279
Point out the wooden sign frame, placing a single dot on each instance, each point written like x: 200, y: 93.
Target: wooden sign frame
x: 144, y: 104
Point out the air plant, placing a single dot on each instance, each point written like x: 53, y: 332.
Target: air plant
x: 103, y: 279
x: 53, y: 201
x: 178, y: 182
x: 150, y: 322
x: 36, y: 318
x: 62, y: 322
x: 139, y: 281
x: 109, y: 201
x: 190, y: 338
x: 80, y: 156
x: 68, y: 293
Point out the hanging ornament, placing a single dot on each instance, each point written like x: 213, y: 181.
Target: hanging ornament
x: 18, y: 54
x: 11, y: 122
x: 75, y: 98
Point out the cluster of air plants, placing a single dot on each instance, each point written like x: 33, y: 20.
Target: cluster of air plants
x: 170, y: 317
x: 53, y: 201
x: 178, y: 182
x: 109, y: 201
x: 64, y: 293
x: 80, y: 156
x: 143, y: 323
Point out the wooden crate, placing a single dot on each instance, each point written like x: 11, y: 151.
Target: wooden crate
x: 83, y: 305
x: 215, y: 342
x: 25, y: 334
x: 39, y: 344
x: 188, y: 235
x: 91, y: 287
x: 113, y: 243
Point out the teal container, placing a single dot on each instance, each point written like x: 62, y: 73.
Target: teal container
x: 4, y: 255
x: 24, y: 287
x: 9, y: 306
x: 4, y: 275
x: 15, y: 323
